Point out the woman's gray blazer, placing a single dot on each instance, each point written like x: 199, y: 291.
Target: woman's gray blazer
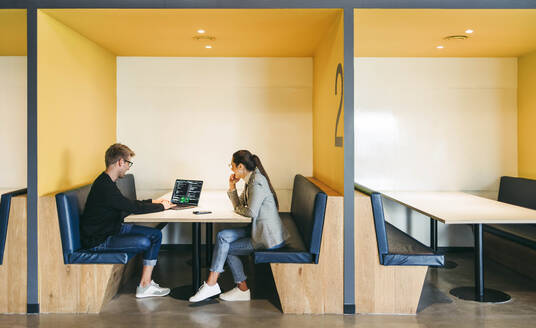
x: 258, y: 203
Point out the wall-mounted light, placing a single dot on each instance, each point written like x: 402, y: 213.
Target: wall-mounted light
x: 469, y: 31
x: 201, y: 31
x: 440, y: 47
x: 208, y: 46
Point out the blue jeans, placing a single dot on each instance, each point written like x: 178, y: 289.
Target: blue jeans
x: 134, y: 239
x: 231, y: 243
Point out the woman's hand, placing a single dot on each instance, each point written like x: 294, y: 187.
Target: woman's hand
x: 232, y: 182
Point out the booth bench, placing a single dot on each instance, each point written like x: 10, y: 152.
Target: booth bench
x: 73, y: 280
x: 308, y: 270
x: 304, y: 224
x: 390, y: 265
x: 505, y: 240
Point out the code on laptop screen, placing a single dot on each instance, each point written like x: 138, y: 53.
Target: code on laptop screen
x: 186, y: 192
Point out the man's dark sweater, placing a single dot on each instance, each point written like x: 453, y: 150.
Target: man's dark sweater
x: 105, y: 210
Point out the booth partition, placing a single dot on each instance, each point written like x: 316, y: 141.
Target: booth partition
x: 185, y: 89
x: 13, y: 219
x: 447, y: 111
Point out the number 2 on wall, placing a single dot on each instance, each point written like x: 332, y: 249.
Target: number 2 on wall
x: 339, y: 140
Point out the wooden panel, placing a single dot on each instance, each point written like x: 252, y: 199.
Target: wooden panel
x: 316, y: 288
x: 69, y: 288
x: 501, y: 249
x: 461, y: 208
x: 13, y: 277
x: 379, y: 288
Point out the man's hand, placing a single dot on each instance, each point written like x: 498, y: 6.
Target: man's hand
x: 167, y: 204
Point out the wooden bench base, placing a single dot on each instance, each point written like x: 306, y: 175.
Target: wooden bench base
x: 316, y: 288
x: 13, y: 277
x: 378, y: 288
x: 70, y: 288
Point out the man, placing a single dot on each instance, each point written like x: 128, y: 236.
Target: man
x: 102, y: 227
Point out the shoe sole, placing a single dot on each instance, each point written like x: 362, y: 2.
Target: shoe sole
x: 145, y: 296
x: 206, y: 298
x: 223, y: 299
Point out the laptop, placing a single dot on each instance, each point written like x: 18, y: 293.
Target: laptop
x: 186, y: 194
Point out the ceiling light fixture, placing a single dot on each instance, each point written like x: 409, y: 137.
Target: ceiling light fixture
x: 469, y: 31
x: 204, y: 37
x: 457, y: 37
x: 439, y: 47
x: 201, y: 31
x: 208, y: 46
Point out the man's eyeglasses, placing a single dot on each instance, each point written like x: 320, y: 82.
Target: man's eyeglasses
x: 129, y: 163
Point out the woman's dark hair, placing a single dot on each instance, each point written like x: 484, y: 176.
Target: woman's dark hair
x: 251, y: 162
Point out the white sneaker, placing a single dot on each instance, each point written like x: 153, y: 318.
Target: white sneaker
x: 152, y: 289
x: 205, y: 291
x: 236, y: 294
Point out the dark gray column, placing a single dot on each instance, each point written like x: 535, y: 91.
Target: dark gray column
x: 349, y: 268
x: 33, y: 300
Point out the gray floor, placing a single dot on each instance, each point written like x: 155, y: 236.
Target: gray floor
x: 437, y: 307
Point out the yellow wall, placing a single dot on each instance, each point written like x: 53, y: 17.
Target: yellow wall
x: 527, y: 116
x: 328, y: 160
x: 12, y: 32
x: 76, y: 106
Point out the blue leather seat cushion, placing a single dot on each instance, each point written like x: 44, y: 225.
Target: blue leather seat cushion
x: 86, y: 257
x: 405, y: 250
x: 307, y: 209
x: 518, y: 191
x: 413, y: 259
x: 294, y: 250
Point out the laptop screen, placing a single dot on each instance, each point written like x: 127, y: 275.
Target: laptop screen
x: 186, y: 192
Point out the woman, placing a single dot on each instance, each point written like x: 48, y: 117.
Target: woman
x: 259, y: 202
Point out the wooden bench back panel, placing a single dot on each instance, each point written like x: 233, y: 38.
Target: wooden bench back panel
x: 379, y: 288
x: 13, y: 271
x: 316, y: 288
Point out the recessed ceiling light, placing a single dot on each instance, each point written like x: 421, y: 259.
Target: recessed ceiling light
x: 208, y: 46
x: 469, y: 31
x: 440, y: 47
x: 201, y: 31
x: 456, y: 37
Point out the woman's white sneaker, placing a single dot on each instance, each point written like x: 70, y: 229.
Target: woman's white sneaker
x: 236, y: 294
x: 205, y: 292
x: 152, y: 289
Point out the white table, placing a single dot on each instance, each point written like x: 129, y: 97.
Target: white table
x: 222, y: 210
x: 463, y: 208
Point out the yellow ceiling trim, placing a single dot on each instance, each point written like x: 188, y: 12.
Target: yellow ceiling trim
x: 172, y: 32
x: 418, y: 32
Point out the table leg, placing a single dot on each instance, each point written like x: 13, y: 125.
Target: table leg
x: 433, y: 235
x: 434, y: 240
x: 196, y: 261
x: 208, y: 244
x: 184, y: 292
x: 478, y: 293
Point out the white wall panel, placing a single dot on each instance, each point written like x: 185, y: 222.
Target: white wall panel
x: 184, y: 118
x: 435, y: 124
x: 13, y: 122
